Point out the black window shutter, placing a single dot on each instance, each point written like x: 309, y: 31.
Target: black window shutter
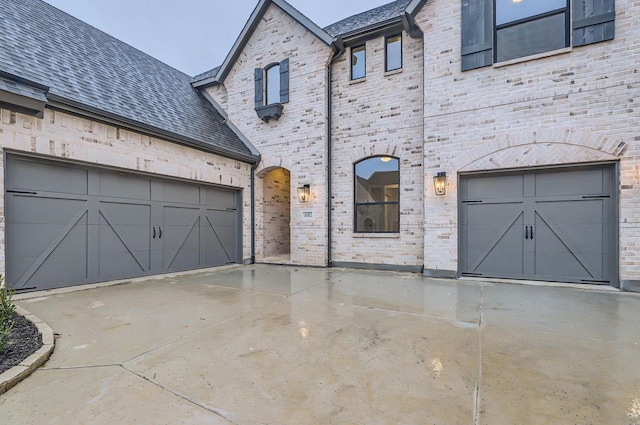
x: 477, y: 33
x: 593, y: 21
x: 259, y: 80
x: 284, y: 81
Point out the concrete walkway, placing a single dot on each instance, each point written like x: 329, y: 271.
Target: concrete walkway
x: 282, y: 345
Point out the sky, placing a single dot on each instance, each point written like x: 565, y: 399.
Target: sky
x: 192, y: 35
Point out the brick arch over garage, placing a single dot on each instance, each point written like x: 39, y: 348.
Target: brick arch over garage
x: 546, y: 147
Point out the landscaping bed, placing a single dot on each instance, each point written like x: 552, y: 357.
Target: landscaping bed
x: 24, y: 340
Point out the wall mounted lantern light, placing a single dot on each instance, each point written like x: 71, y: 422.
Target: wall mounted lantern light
x: 304, y: 194
x: 440, y: 183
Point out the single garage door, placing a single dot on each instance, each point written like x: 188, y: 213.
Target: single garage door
x: 554, y: 225
x: 69, y: 224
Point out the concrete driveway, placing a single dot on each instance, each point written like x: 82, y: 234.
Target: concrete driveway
x: 283, y: 345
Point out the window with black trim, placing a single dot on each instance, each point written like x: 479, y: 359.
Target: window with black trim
x: 500, y: 30
x: 393, y: 53
x: 358, y: 62
x: 377, y: 195
x: 528, y: 27
x: 271, y: 90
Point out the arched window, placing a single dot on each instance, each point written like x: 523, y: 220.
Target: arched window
x: 273, y: 84
x: 377, y: 195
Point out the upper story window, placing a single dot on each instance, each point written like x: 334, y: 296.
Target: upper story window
x: 358, y: 62
x: 272, y: 86
x: 501, y: 30
x: 529, y: 27
x: 271, y: 90
x: 393, y: 53
x: 377, y: 195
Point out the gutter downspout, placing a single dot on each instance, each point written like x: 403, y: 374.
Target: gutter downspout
x: 253, y: 212
x: 340, y: 49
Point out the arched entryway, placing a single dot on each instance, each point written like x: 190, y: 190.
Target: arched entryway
x: 275, y: 216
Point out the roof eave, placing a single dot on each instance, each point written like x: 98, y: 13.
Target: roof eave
x: 371, y: 30
x: 249, y: 28
x: 76, y: 108
x: 415, y: 7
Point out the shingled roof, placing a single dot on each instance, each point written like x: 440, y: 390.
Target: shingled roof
x: 90, y: 70
x: 367, y: 19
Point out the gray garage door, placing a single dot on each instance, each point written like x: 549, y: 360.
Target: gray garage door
x: 547, y: 225
x: 68, y: 225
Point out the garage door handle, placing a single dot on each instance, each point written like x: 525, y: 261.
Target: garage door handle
x: 528, y: 232
x: 154, y: 232
x: 160, y: 232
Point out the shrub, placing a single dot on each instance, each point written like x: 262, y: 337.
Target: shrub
x: 6, y: 314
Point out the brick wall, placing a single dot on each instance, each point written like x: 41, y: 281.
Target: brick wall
x: 297, y: 141
x: 60, y: 135
x: 381, y: 114
x: 574, y: 107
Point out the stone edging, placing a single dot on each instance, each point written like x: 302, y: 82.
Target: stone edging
x: 16, y: 374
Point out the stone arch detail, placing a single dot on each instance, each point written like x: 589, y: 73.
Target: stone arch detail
x: 387, y: 149
x: 269, y: 163
x: 543, y: 147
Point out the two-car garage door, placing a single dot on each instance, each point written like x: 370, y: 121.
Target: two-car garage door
x: 552, y: 225
x: 68, y: 224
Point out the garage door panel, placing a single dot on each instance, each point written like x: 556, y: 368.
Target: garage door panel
x: 38, y: 228
x: 181, y: 238
x: 219, y: 199
x: 37, y: 176
x: 568, y: 253
x: 492, y: 227
x: 182, y: 246
x: 492, y: 187
x: 64, y: 265
x: 571, y: 183
x: 24, y: 209
x: 503, y: 252
x: 124, y: 238
x: 124, y: 186
x: 221, y: 235
x: 173, y: 192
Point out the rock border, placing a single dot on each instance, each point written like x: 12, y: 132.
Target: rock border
x: 17, y: 374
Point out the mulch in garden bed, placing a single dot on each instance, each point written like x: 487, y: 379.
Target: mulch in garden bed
x: 24, y: 340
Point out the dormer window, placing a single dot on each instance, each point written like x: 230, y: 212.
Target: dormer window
x: 271, y: 90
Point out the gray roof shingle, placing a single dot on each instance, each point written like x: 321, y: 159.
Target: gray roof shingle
x: 368, y: 18
x: 86, y: 66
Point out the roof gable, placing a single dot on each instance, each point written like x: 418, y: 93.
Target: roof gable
x: 86, y: 70
x: 217, y: 75
x: 399, y: 12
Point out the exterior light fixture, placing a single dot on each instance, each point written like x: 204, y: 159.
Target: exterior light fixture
x: 386, y: 159
x: 304, y: 194
x: 440, y: 183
